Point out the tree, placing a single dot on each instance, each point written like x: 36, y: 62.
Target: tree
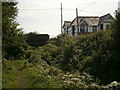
x: 116, y: 34
x: 13, y: 39
x: 116, y: 47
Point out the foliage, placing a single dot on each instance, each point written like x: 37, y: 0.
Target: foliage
x: 13, y: 40
x: 91, y: 53
x: 66, y: 44
x: 116, y: 47
x: 42, y: 76
x: 116, y: 33
x: 49, y: 53
x: 84, y: 61
x: 9, y: 74
x: 61, y: 40
x: 96, y: 54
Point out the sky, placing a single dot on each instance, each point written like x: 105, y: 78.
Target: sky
x: 44, y: 16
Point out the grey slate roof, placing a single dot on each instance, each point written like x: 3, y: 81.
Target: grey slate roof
x: 102, y: 18
x: 90, y: 20
x: 66, y: 23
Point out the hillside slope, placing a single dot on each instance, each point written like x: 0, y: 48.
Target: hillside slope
x: 85, y: 61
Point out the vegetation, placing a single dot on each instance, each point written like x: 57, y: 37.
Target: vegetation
x: 13, y: 39
x: 90, y: 53
x: 84, y: 61
x: 116, y: 46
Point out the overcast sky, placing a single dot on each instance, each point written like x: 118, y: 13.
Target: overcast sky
x: 43, y: 16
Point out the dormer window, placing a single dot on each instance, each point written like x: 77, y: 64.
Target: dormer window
x: 108, y: 20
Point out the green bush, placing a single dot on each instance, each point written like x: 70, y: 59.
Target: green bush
x: 49, y: 53
x: 91, y: 53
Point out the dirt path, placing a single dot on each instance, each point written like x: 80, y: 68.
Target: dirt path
x: 21, y: 77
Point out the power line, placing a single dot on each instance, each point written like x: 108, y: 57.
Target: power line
x: 90, y: 11
x: 40, y: 9
x: 56, y: 9
x: 63, y: 9
x: 89, y: 5
x: 68, y: 9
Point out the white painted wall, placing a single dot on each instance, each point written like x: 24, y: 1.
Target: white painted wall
x: 105, y: 25
x: 97, y: 28
x: 90, y: 29
x: 118, y: 9
x: 63, y: 29
x: 70, y: 31
x: 119, y: 6
x: 76, y: 32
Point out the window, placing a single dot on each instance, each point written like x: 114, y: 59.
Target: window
x: 82, y: 28
x: 107, y: 26
x: 64, y: 29
x: 94, y: 28
x: 107, y: 20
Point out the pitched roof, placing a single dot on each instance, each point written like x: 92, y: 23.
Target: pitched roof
x: 90, y: 20
x: 102, y: 18
x: 66, y: 23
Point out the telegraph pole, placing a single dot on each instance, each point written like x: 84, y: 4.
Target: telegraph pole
x: 77, y: 20
x: 61, y: 18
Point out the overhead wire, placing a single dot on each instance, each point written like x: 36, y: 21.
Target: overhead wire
x: 89, y: 5
x: 41, y: 9
x: 64, y: 9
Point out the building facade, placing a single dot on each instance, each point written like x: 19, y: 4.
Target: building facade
x: 86, y: 24
x: 119, y: 6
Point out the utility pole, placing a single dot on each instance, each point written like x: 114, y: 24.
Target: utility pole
x: 61, y: 18
x: 77, y: 20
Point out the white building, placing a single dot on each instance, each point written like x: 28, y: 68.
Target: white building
x: 104, y: 21
x: 87, y: 24
x: 65, y: 26
x: 119, y: 6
